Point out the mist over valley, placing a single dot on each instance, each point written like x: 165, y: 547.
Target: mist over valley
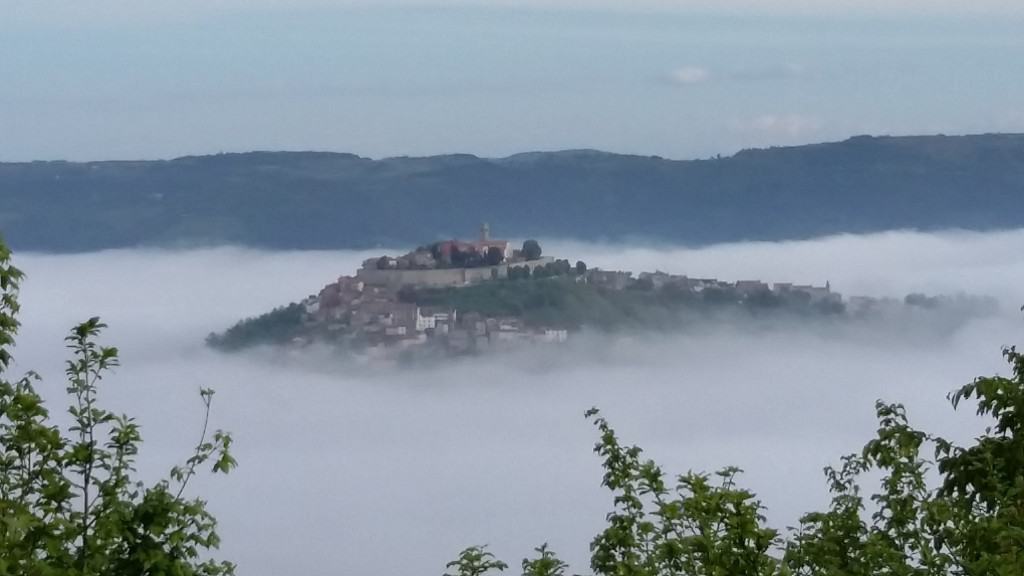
x: 343, y: 461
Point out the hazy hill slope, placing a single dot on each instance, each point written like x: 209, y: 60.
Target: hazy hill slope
x: 326, y: 200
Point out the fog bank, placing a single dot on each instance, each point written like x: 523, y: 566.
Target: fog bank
x: 393, y: 471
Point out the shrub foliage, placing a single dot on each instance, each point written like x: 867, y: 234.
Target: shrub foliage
x: 939, y: 509
x: 69, y: 501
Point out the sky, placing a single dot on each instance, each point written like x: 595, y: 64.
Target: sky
x: 113, y: 79
x: 355, y: 468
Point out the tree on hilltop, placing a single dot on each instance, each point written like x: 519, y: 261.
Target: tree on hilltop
x: 494, y: 256
x: 531, y: 250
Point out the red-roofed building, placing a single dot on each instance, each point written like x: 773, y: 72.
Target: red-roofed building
x: 480, y: 246
x: 486, y: 242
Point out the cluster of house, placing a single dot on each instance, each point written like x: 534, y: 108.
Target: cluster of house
x: 368, y: 308
x: 617, y: 280
x: 374, y: 315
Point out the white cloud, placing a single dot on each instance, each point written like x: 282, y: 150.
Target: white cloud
x: 689, y: 75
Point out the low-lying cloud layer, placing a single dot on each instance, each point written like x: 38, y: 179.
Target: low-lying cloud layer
x: 393, y: 471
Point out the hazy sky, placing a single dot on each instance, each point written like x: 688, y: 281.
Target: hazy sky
x: 144, y: 79
x: 380, y: 470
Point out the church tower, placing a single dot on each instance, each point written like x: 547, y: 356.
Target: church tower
x: 485, y: 232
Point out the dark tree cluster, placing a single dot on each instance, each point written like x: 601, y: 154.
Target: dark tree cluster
x: 275, y: 327
x: 494, y: 256
x: 519, y: 273
x: 553, y: 269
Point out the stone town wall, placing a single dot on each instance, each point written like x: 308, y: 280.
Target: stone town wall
x: 399, y: 278
x: 440, y: 278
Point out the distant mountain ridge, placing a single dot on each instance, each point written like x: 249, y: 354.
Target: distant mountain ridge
x: 305, y: 200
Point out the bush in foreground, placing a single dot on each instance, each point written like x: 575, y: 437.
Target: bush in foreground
x: 69, y: 502
x: 939, y: 509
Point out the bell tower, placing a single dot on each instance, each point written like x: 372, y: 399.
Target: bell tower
x: 485, y: 232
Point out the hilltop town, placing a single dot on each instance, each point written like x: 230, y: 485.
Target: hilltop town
x: 467, y: 296
x: 374, y: 308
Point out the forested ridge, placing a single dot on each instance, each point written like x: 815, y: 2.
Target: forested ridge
x: 305, y: 200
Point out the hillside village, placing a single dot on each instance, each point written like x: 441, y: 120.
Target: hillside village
x: 377, y: 307
x: 463, y: 297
